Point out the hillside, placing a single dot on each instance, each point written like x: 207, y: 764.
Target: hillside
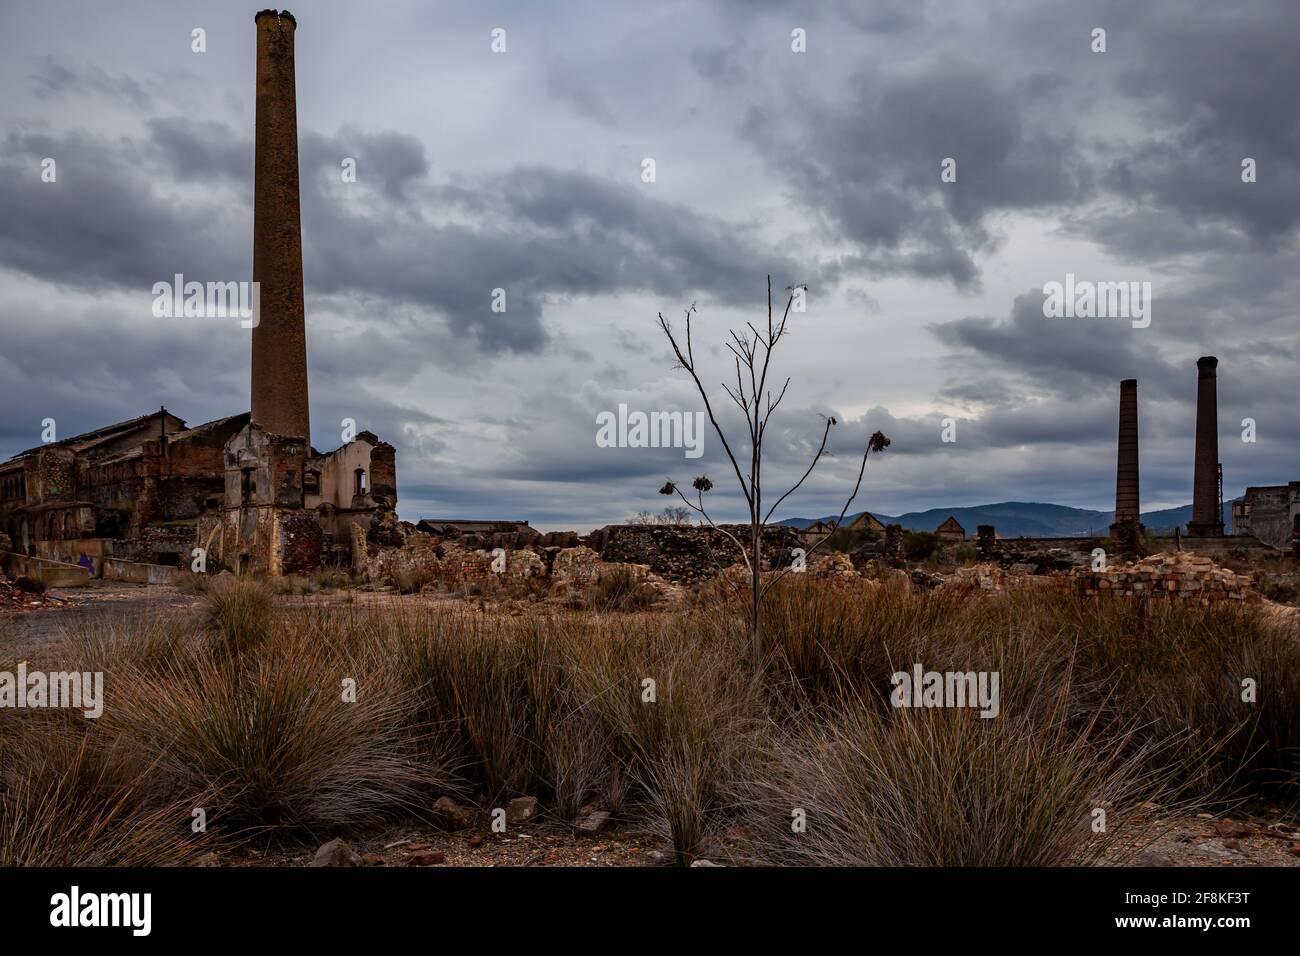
x: 1031, y: 519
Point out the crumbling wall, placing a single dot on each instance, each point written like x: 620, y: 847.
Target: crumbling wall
x: 303, y: 545
x: 688, y: 553
x: 1181, y: 574
x: 55, y: 476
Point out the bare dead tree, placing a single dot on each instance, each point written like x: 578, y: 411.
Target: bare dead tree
x: 752, y: 350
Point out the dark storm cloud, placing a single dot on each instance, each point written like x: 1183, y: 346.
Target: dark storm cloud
x: 870, y: 162
x: 111, y: 217
x: 567, y: 84
x: 202, y: 151
x: 1215, y: 88
x: 105, y: 221
x: 540, y: 233
x: 398, y: 160
x: 1067, y: 356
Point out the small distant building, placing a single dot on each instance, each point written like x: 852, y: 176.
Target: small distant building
x: 867, y: 522
x: 815, y: 533
x: 819, y: 530
x: 950, y: 532
x: 1269, y: 513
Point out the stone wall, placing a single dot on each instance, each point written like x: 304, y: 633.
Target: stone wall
x: 686, y: 553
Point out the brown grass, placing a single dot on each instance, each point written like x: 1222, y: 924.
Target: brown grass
x: 656, y: 716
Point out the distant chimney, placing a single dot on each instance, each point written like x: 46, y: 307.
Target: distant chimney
x: 1127, y: 510
x: 1207, y: 521
x: 279, y: 393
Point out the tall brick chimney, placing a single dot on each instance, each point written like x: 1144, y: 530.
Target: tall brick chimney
x: 279, y: 399
x: 1206, y: 519
x: 1127, y: 526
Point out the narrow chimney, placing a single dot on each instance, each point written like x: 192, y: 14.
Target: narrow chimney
x: 1127, y: 509
x: 279, y: 394
x: 1206, y: 519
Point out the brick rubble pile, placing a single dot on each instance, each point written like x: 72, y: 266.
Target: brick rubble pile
x: 1180, y: 574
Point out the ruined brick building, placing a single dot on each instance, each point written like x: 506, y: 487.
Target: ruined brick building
x: 249, y: 489
x: 1269, y: 512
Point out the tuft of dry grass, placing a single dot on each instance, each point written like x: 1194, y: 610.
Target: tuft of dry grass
x: 862, y: 786
x: 239, y: 611
x: 619, y: 590
x: 72, y: 797
x: 277, y: 737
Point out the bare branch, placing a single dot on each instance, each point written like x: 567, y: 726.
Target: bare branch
x: 825, y: 434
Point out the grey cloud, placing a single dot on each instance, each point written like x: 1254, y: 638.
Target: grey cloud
x: 870, y: 163
x: 567, y: 84
x: 55, y: 79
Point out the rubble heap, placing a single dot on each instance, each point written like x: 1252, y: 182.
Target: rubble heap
x: 1181, y: 574
x: 993, y: 576
x: 19, y: 594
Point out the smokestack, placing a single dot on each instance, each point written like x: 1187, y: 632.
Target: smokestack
x: 279, y: 394
x: 1206, y: 520
x: 1126, y: 469
x: 1127, y: 527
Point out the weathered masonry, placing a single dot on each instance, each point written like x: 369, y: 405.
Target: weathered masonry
x: 133, y: 499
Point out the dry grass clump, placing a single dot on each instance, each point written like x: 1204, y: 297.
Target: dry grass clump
x: 412, y: 580
x: 619, y: 590
x: 864, y: 786
x: 239, y: 610
x: 188, y: 582
x: 277, y: 738
x: 71, y: 797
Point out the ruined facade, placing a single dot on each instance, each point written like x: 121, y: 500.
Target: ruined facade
x: 130, y: 491
x: 1270, y: 513
x: 248, y: 490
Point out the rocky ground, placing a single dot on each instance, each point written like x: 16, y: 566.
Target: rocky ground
x: 1239, y: 840
x: 38, y: 626
x: 1267, y: 837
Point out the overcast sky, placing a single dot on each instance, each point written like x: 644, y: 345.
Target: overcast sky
x: 522, y: 170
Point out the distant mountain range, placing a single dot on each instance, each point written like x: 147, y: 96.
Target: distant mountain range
x: 1029, y: 519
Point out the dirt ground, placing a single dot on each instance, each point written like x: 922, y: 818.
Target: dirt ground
x: 39, y: 631
x: 1243, y: 840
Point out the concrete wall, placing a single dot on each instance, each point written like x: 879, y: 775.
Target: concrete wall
x: 55, y: 574
x: 135, y: 572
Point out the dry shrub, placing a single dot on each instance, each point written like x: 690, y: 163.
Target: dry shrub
x: 71, y: 797
x: 295, y: 584
x: 1178, y: 670
x: 619, y: 590
x: 1102, y: 703
x: 189, y: 582
x: 239, y: 611
x: 679, y: 749
x: 939, y: 787
x: 468, y: 677
x: 271, y: 738
x: 411, y: 579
